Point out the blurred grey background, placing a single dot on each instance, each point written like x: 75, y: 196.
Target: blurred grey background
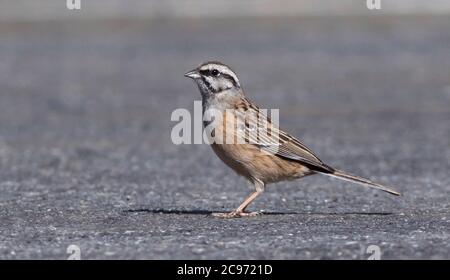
x: 134, y: 9
x: 85, y: 103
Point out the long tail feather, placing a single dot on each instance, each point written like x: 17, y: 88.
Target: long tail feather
x: 362, y: 181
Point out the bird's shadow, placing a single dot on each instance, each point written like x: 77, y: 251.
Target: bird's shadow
x: 209, y: 212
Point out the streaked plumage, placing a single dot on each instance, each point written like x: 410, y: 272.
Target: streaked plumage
x: 262, y: 158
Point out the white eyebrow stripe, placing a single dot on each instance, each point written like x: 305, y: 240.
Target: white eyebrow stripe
x: 222, y: 69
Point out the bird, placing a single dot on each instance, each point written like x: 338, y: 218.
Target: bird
x: 262, y: 158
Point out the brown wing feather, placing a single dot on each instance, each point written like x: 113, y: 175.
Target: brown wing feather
x: 281, y: 144
x: 275, y: 141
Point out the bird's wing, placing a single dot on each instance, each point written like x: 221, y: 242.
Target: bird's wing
x: 257, y: 129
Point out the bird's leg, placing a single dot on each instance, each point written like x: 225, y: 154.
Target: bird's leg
x: 239, y: 212
x: 247, y: 202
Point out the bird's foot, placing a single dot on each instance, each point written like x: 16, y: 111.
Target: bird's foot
x: 236, y: 214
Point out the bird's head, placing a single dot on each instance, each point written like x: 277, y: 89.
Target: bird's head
x: 213, y: 78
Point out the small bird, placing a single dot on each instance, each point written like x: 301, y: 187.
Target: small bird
x: 262, y: 158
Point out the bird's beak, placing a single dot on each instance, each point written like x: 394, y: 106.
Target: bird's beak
x: 193, y: 74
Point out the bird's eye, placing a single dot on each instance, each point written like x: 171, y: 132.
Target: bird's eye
x: 215, y: 72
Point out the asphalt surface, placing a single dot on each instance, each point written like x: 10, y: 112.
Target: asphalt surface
x: 86, y: 156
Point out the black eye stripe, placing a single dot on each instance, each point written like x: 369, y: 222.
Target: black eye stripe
x: 205, y: 72
x: 213, y: 72
x: 209, y: 73
x: 228, y: 77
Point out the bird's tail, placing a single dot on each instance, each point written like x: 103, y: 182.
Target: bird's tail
x: 362, y: 181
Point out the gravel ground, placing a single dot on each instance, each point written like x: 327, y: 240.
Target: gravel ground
x: 86, y: 156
